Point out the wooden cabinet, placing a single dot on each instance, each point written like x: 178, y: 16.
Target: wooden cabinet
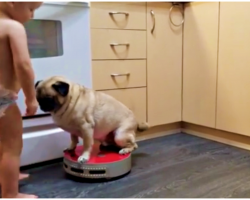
x: 134, y: 99
x: 212, y: 88
x: 118, y: 43
x: 164, y: 64
x: 200, y: 52
x: 233, y: 107
x: 115, y: 74
x: 118, y: 15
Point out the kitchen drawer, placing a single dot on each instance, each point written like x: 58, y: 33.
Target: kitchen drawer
x: 114, y: 74
x: 134, y: 99
x: 118, y: 44
x: 118, y: 15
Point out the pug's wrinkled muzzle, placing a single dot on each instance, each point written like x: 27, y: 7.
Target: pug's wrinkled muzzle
x: 47, y: 104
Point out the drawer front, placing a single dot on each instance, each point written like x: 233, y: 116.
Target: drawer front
x: 114, y: 74
x: 117, y: 15
x: 134, y: 99
x: 118, y: 44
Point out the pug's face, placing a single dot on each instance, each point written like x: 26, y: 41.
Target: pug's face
x: 51, y: 93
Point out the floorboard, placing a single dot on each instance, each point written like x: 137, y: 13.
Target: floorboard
x: 175, y: 166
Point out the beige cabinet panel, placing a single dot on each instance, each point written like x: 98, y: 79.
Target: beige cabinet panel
x: 118, y: 44
x: 118, y: 15
x: 130, y: 73
x: 233, y: 109
x: 164, y: 64
x: 200, y: 52
x: 134, y: 99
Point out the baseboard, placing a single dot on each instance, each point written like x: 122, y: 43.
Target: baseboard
x: 224, y: 137
x: 159, y: 131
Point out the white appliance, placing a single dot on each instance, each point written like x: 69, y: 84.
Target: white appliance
x: 59, y: 44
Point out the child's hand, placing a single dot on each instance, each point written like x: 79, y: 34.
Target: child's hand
x: 31, y: 107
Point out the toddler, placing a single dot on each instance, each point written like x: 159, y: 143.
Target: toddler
x: 16, y: 73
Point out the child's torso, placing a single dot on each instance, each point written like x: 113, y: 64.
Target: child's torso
x: 8, y: 78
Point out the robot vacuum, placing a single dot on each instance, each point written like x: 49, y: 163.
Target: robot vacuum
x: 105, y: 162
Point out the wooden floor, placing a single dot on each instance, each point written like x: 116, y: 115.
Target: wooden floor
x: 173, y: 166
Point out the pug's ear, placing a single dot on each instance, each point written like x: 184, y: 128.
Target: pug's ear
x: 61, y: 87
x: 37, y: 83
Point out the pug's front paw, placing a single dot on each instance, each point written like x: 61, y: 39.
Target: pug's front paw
x: 82, y: 159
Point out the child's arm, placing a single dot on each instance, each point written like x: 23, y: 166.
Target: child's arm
x: 21, y: 59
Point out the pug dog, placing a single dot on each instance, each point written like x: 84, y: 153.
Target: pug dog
x: 88, y: 114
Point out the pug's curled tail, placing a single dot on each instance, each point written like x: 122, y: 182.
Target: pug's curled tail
x: 142, y: 126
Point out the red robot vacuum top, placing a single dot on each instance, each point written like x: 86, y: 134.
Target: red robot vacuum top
x: 98, y: 156
x: 104, y: 162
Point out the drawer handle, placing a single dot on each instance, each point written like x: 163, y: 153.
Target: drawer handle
x: 125, y: 74
x: 117, y: 13
x: 153, y: 16
x: 119, y: 44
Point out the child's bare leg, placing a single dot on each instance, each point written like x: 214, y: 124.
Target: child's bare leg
x: 11, y: 147
x: 21, y: 175
x: 13, y: 96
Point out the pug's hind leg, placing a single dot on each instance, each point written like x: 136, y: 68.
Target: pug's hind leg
x: 126, y: 141
x: 88, y: 141
x: 73, y: 144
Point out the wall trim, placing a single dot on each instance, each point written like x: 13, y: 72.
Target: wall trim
x: 159, y: 131
x: 229, y: 138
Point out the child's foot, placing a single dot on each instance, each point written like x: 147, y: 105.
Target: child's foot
x: 26, y: 196
x: 23, y: 176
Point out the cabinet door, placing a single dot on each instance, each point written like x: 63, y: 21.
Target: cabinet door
x: 164, y: 64
x: 134, y: 99
x: 200, y: 63
x: 233, y: 109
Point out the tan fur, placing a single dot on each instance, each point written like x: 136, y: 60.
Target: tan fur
x: 92, y: 115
